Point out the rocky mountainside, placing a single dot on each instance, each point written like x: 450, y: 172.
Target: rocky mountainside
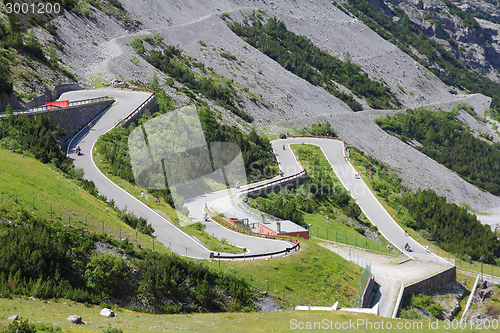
x: 467, y: 29
x: 94, y: 42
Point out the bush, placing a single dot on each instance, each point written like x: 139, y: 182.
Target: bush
x: 138, y: 46
x: 228, y: 56
x: 139, y: 223
x: 426, y: 234
x: 424, y: 301
x: 198, y: 226
x: 20, y: 326
x: 410, y: 314
x: 109, y: 329
x: 105, y: 275
x: 158, y: 38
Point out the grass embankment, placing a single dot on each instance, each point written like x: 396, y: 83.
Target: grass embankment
x: 335, y: 230
x: 46, y: 192
x: 164, y: 209
x: 311, y: 276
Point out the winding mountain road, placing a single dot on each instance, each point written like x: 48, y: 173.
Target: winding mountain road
x: 371, y: 207
x: 180, y: 242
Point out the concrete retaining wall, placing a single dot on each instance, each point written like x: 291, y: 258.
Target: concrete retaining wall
x: 442, y: 279
x: 72, y: 118
x: 367, y: 293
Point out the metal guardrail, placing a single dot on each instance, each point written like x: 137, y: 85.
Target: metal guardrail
x: 139, y: 108
x: 54, y: 108
x: 277, y: 181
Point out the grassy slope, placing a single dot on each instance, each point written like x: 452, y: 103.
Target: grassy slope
x: 55, y: 314
x: 312, y: 276
x: 33, y: 182
x: 335, y: 230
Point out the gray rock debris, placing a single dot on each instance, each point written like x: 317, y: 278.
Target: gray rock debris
x: 107, y: 312
x: 74, y: 319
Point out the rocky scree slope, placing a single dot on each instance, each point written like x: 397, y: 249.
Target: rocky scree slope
x: 98, y: 48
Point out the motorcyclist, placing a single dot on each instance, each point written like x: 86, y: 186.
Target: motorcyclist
x: 283, y: 147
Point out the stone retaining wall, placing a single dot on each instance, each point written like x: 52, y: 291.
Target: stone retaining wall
x: 442, y: 279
